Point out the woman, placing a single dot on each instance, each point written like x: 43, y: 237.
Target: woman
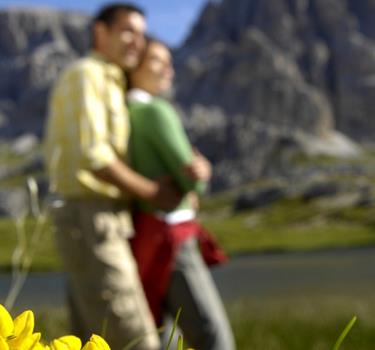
x: 170, y: 265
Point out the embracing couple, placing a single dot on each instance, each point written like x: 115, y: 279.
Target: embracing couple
x: 129, y: 183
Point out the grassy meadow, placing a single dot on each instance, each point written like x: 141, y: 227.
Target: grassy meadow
x: 278, y: 323
x: 289, y: 225
x: 308, y: 322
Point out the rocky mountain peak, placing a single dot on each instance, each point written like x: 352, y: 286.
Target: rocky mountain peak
x: 35, y: 44
x: 325, y: 47
x: 254, y: 77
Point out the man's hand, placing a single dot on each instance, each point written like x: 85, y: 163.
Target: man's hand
x: 200, y: 168
x: 167, y: 196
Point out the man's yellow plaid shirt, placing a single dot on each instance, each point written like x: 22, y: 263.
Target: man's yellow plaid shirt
x: 87, y: 128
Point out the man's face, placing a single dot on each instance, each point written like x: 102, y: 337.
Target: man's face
x: 122, y: 42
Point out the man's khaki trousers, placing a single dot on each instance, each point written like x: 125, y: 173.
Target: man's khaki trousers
x: 106, y: 296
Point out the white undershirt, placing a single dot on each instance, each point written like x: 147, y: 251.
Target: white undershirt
x: 138, y: 95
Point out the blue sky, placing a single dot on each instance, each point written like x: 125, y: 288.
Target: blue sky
x: 170, y: 20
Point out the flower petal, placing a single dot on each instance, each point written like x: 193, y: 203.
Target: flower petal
x: 68, y: 342
x: 41, y: 346
x: 29, y: 343
x: 6, y: 323
x: 3, y: 344
x: 24, y: 324
x: 23, y: 328
x: 96, y: 343
x: 90, y: 346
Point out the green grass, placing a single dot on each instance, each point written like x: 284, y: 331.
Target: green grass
x: 290, y: 225
x: 45, y: 258
x: 20, y: 180
x: 287, y: 225
x: 8, y: 157
x: 308, y: 323
x: 302, y: 323
x: 52, y: 322
x: 13, y: 160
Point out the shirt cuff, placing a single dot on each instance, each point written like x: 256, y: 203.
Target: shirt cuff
x: 100, y: 156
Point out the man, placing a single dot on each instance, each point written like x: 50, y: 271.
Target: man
x: 86, y: 142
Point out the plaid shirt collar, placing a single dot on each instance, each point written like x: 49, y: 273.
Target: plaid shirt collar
x: 111, y: 69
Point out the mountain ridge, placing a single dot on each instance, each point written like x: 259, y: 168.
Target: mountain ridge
x: 255, y: 78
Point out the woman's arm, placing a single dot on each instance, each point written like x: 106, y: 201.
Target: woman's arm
x: 167, y: 135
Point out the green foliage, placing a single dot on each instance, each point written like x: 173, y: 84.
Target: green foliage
x: 45, y: 258
x: 175, y: 323
x: 180, y: 343
x: 344, y: 333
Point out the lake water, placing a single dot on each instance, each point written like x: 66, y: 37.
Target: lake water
x: 337, y: 272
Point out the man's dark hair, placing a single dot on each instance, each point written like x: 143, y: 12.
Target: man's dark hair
x: 108, y: 13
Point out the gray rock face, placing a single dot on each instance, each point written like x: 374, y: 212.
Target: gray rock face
x: 259, y: 198
x: 321, y: 189
x: 24, y: 145
x: 255, y: 77
x: 364, y: 10
x: 284, y: 61
x: 297, y: 67
x: 34, y: 46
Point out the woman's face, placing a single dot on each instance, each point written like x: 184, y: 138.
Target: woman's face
x: 155, y: 73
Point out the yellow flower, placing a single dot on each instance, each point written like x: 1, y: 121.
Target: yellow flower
x: 68, y: 342
x: 6, y: 323
x: 17, y: 334
x: 41, y: 346
x: 30, y: 342
x: 23, y: 330
x: 96, y: 343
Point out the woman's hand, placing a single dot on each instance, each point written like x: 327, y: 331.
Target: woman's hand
x: 200, y: 168
x: 193, y: 200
